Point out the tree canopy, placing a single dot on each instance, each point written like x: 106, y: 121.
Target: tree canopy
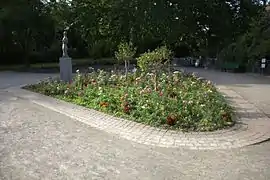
x: 32, y: 29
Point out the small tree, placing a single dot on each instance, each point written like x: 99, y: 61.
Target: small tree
x: 125, y: 53
x: 154, y: 61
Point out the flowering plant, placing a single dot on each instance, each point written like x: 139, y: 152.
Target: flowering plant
x: 177, y: 100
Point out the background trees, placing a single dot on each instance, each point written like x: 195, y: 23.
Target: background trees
x: 252, y: 45
x: 30, y: 31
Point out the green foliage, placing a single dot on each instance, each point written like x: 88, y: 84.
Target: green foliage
x: 125, y: 52
x: 28, y: 27
x: 155, y: 59
x: 196, y: 23
x: 181, y: 101
x: 101, y: 49
x: 155, y: 62
x: 227, y: 54
x: 251, y: 46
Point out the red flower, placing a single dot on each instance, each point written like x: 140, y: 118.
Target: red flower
x: 85, y: 84
x: 104, y: 104
x: 126, y: 107
x: 171, y: 120
x: 94, y: 82
x: 161, y: 93
x: 225, y: 116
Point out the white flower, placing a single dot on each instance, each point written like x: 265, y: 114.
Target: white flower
x: 176, y: 72
x: 122, y: 77
x: 77, y: 71
x: 134, y: 70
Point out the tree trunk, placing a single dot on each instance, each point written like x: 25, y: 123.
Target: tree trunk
x: 155, y: 78
x: 126, y: 74
x: 26, y: 60
x: 126, y: 69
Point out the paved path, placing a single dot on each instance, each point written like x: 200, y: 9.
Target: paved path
x: 252, y: 125
x: 37, y: 143
x: 255, y: 89
x: 11, y: 79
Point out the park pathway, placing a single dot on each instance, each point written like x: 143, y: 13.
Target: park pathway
x: 254, y: 88
x: 38, y: 143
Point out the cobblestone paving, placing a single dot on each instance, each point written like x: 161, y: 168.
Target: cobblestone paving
x: 40, y: 144
x: 252, y: 127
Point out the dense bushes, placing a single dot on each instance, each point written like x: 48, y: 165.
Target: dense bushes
x: 252, y: 46
x: 101, y: 49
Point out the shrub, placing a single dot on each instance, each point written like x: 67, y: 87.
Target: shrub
x: 125, y: 53
x: 154, y: 61
x: 101, y: 49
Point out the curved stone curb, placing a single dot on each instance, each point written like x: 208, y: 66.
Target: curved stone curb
x: 252, y: 125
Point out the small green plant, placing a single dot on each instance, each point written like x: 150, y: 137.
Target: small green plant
x: 155, y: 61
x: 125, y: 53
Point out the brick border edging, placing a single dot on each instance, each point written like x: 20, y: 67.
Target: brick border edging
x: 247, y: 131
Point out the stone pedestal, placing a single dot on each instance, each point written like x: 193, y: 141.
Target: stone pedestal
x: 65, y: 69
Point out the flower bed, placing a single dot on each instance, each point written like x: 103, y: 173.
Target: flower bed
x: 175, y: 101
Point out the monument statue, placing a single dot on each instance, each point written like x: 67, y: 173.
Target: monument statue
x: 64, y: 44
x: 65, y: 61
